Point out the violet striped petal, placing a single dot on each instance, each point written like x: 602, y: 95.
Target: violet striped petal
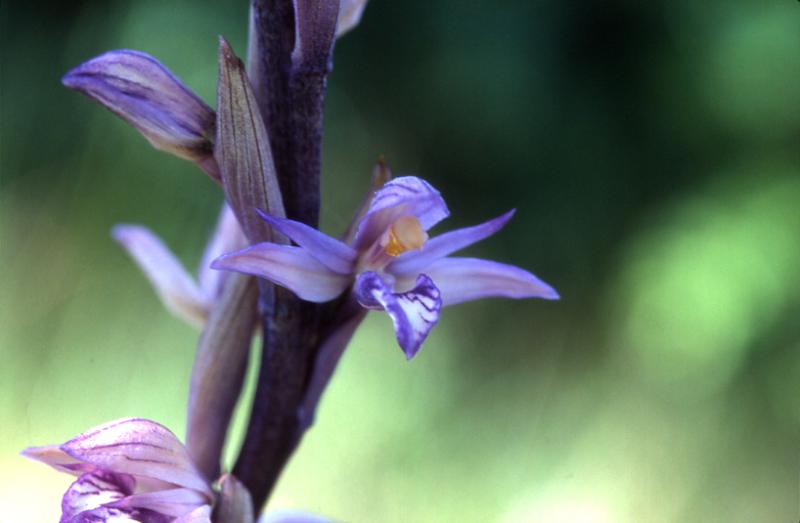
x: 403, y: 196
x: 414, y: 313
x: 93, y: 490
x: 288, y: 266
x: 350, y: 12
x: 139, y: 447
x: 227, y: 237
x: 58, y: 459
x: 172, y: 283
x: 140, y: 90
x: 199, y: 515
x: 465, y: 279
x: 414, y: 262
x: 172, y: 502
x: 332, y: 253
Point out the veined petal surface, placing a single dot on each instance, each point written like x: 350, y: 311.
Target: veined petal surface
x: 465, y: 279
x: 403, y: 196
x: 93, y: 490
x: 138, y: 447
x: 140, y: 90
x: 414, y: 262
x: 288, y: 266
x: 413, y: 313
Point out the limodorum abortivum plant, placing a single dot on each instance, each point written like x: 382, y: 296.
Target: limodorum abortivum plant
x: 267, y: 271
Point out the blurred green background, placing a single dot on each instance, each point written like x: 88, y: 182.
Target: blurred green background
x: 652, y: 151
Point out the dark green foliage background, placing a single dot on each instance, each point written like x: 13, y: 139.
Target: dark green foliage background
x: 651, y: 149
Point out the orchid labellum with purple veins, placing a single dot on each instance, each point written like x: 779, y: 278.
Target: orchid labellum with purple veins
x: 391, y: 264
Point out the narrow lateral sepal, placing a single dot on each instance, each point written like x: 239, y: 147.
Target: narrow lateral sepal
x: 243, y: 151
x: 140, y: 90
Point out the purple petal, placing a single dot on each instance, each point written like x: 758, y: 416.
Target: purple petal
x: 137, y: 447
x: 58, y: 459
x: 172, y: 502
x: 414, y: 262
x: 227, y: 237
x: 465, y: 279
x: 332, y: 253
x: 143, y: 92
x: 350, y: 12
x: 174, y: 286
x: 290, y: 267
x: 414, y: 313
x: 199, y: 515
x: 93, y: 490
x: 404, y: 196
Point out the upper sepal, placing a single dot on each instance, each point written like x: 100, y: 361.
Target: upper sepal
x: 143, y: 92
x: 403, y: 196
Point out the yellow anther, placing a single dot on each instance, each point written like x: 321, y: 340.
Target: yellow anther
x: 406, y: 234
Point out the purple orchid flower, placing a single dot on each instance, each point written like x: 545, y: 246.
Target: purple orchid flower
x: 390, y: 264
x: 128, y: 470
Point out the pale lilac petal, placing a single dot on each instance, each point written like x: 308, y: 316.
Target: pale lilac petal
x: 139, y: 447
x: 227, y: 237
x: 414, y: 313
x: 414, y: 262
x: 465, y: 279
x: 199, y: 515
x: 58, y: 459
x: 330, y: 252
x: 403, y: 196
x: 175, y: 287
x: 350, y: 12
x: 93, y: 490
x: 292, y: 516
x: 290, y: 267
x: 139, y: 89
x: 172, y: 502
